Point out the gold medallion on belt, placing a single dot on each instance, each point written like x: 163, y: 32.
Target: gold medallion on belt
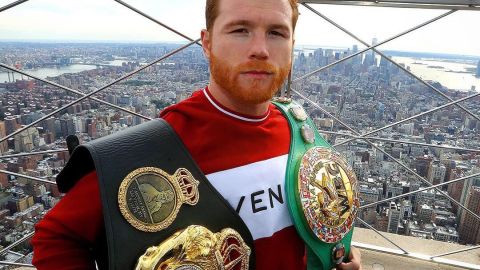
x: 327, y: 191
x: 197, y: 248
x: 149, y: 198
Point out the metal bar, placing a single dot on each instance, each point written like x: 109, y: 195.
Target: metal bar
x: 454, y: 252
x: 13, y: 4
x: 16, y: 264
x: 383, y: 236
x: 419, y: 190
x: 399, y: 141
x: 395, y: 63
x: 28, y: 177
x: 156, y: 21
x: 74, y: 91
x: 373, y: 46
x: 17, y: 253
x: 412, y: 117
x: 98, y: 90
x: 34, y: 153
x: 16, y: 243
x: 469, y: 5
x: 391, y: 157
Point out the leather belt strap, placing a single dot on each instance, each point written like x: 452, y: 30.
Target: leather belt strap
x: 319, y: 253
x: 153, y: 144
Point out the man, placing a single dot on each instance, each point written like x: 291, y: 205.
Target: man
x: 237, y: 137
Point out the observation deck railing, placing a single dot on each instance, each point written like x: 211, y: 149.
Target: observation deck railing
x: 400, y: 249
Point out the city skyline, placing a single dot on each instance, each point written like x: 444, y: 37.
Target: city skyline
x: 366, y: 93
x: 86, y: 22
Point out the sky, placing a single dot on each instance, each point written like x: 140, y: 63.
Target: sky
x: 106, y: 20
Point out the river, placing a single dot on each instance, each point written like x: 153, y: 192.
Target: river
x: 55, y: 71
x: 450, y: 74
x: 446, y: 72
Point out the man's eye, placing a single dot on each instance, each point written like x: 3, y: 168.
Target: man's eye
x: 276, y: 33
x: 240, y: 30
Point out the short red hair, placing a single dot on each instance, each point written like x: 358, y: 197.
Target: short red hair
x: 211, y: 12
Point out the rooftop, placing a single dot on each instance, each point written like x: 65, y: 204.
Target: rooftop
x: 378, y: 253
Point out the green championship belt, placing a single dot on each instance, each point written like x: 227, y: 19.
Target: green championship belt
x: 321, y: 191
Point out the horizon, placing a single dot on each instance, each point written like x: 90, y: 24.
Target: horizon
x: 180, y: 42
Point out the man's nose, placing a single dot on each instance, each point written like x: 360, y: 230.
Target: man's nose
x: 259, y: 47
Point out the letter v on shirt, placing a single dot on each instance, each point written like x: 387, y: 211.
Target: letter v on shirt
x: 256, y: 191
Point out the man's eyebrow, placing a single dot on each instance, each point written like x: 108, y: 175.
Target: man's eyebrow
x: 237, y: 23
x: 280, y: 26
x: 248, y: 23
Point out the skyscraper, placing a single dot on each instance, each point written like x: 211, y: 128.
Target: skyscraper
x: 3, y: 133
x: 10, y: 124
x: 478, y: 69
x: 67, y: 125
x: 373, y: 55
x: 467, y: 184
x: 393, y: 218
x: 469, y: 226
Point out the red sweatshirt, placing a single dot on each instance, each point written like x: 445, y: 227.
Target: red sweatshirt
x: 243, y: 157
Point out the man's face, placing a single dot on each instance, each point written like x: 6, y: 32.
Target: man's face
x: 249, y: 48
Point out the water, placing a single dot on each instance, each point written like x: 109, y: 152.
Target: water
x: 441, y: 71
x: 48, y: 72
x: 427, y: 69
x: 56, y: 71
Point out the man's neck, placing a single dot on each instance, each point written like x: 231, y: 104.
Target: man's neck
x: 229, y: 102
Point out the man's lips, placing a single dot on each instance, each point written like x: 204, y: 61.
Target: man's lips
x: 257, y: 73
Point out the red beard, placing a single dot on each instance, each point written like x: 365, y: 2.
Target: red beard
x: 258, y: 90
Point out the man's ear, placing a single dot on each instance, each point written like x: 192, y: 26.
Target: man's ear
x: 206, y: 43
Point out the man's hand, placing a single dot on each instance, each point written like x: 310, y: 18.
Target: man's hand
x: 354, y: 261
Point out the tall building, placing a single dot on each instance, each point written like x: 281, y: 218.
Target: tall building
x: 372, y: 58
x: 354, y: 49
x: 467, y: 184
x: 10, y: 124
x: 469, y: 226
x: 478, y: 69
x: 26, y: 140
x: 3, y: 133
x: 67, y: 126
x: 425, y: 212
x: 393, y: 218
x: 19, y: 203
x: 3, y: 177
x: 405, y: 209
x: 455, y: 189
x: 384, y: 63
x: 318, y: 56
x: 436, y: 173
x: 49, y: 125
x: 422, y: 165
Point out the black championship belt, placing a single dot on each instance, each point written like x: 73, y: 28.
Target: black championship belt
x: 160, y: 210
